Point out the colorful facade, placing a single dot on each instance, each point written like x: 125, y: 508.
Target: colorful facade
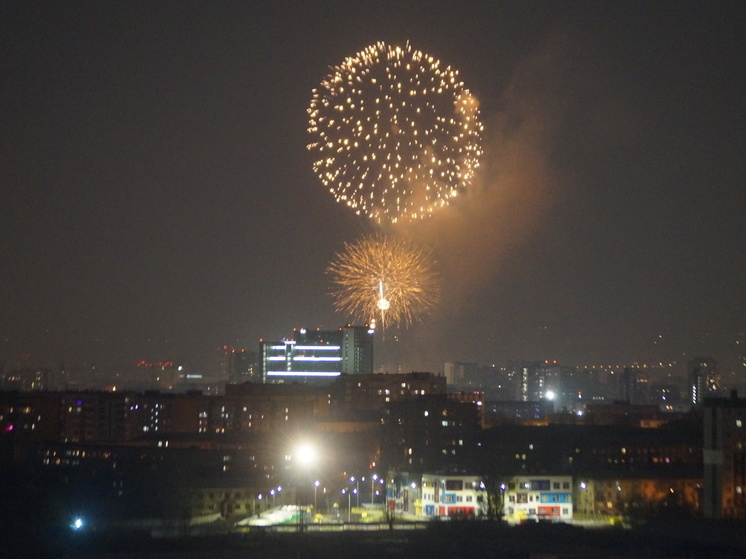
x: 538, y: 498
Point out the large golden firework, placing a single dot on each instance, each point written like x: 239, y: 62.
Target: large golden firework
x: 384, y: 279
x: 395, y: 134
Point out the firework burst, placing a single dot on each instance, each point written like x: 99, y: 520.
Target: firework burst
x: 386, y: 279
x: 395, y: 134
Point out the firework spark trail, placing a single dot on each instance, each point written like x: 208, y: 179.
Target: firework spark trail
x: 395, y: 135
x: 384, y: 278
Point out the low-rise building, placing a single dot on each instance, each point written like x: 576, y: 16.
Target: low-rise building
x: 445, y: 496
x: 636, y: 496
x: 534, y: 498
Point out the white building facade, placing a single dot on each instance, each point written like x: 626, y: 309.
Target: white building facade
x: 446, y: 496
x: 538, y: 498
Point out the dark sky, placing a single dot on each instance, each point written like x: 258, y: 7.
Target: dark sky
x: 157, y: 198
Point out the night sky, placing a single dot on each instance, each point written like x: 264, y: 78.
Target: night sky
x: 157, y: 198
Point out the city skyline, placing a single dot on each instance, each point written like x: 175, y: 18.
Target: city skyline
x: 159, y: 202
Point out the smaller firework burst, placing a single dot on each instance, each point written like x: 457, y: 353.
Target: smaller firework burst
x: 391, y: 281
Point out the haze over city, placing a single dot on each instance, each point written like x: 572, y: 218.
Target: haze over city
x: 159, y: 202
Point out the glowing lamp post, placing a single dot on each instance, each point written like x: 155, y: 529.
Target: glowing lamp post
x: 357, y: 487
x: 315, y: 487
x: 349, y: 502
x: 274, y: 493
x: 373, y: 479
x: 305, y: 455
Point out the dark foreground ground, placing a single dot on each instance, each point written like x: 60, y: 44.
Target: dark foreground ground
x: 672, y: 539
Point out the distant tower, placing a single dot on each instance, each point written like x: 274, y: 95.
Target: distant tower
x: 242, y: 366
x: 704, y: 379
x: 462, y: 374
x: 635, y: 386
x: 357, y: 350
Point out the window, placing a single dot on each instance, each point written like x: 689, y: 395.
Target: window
x: 454, y: 485
x: 469, y: 498
x: 565, y: 485
x: 556, y: 485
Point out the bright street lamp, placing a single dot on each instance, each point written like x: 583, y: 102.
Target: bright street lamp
x: 373, y: 479
x: 357, y: 487
x: 258, y: 498
x: 306, y: 454
x: 315, y: 487
x: 349, y: 502
x: 275, y: 493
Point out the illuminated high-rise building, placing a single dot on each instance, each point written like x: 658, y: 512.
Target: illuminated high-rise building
x: 317, y: 356
x: 704, y: 379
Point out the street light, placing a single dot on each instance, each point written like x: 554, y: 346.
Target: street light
x: 315, y: 487
x: 274, y: 494
x: 258, y: 498
x: 305, y: 456
x: 357, y: 487
x: 373, y: 479
x: 349, y: 502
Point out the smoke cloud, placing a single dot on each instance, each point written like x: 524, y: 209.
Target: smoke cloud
x: 475, y: 238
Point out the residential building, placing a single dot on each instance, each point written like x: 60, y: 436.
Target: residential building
x: 724, y: 457
x: 534, y: 498
x: 446, y: 496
